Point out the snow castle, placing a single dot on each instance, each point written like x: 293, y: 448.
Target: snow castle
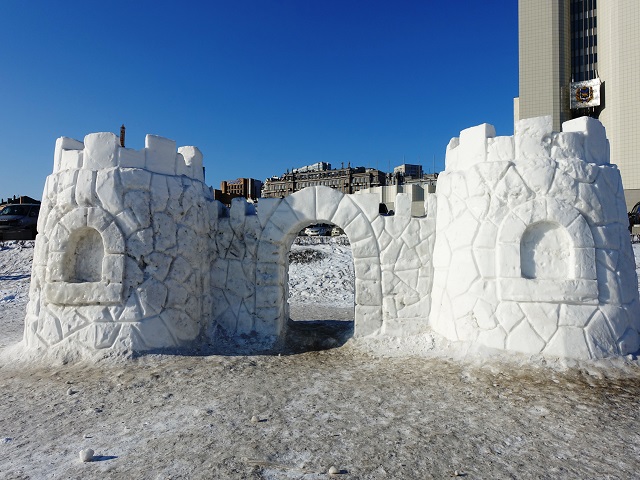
x: 524, y: 247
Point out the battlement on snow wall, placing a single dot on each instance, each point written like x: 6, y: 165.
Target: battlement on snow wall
x: 102, y: 150
x: 532, y: 248
x: 122, y: 255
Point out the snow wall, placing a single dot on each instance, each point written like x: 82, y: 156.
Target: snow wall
x: 524, y: 247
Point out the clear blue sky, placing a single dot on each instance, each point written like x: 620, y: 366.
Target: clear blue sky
x: 259, y: 86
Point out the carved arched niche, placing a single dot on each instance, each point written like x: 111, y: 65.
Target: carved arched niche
x: 84, y: 255
x: 86, y: 259
x: 545, y: 253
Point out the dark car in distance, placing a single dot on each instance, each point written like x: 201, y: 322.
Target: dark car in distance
x: 19, y: 221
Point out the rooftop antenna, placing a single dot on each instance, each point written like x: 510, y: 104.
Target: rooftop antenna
x: 122, y: 129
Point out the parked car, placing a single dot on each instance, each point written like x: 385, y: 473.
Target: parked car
x: 336, y: 231
x: 634, y: 216
x: 315, y: 231
x: 19, y: 221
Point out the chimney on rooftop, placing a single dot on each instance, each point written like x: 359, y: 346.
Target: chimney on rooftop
x: 122, y: 129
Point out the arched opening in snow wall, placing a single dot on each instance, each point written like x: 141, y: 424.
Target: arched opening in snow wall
x: 288, y: 216
x: 320, y: 289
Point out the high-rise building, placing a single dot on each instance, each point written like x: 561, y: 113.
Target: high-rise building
x: 580, y: 57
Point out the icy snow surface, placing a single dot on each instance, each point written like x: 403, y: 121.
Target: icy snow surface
x: 321, y: 271
x: 15, y: 274
x: 295, y: 416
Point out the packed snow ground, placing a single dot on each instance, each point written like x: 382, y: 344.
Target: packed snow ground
x: 321, y: 279
x: 367, y: 413
x: 321, y: 271
x: 15, y: 276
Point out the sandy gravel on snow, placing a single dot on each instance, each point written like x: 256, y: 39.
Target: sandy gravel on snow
x: 190, y: 417
x: 371, y: 416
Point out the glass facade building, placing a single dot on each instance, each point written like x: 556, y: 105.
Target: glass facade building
x: 570, y: 50
x: 584, y: 40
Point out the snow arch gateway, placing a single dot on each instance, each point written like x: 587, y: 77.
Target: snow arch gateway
x: 284, y: 219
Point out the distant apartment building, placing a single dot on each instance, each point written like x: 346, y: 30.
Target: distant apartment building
x: 249, y: 188
x: 18, y: 200
x: 345, y: 180
x: 580, y: 57
x: 407, y: 170
x: 242, y: 187
x: 316, y: 167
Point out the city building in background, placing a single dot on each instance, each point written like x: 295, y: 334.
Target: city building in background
x: 249, y: 188
x: 316, y: 167
x: 18, y: 200
x: 580, y: 57
x: 406, y: 178
x: 408, y: 171
x: 242, y: 187
x: 346, y: 179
